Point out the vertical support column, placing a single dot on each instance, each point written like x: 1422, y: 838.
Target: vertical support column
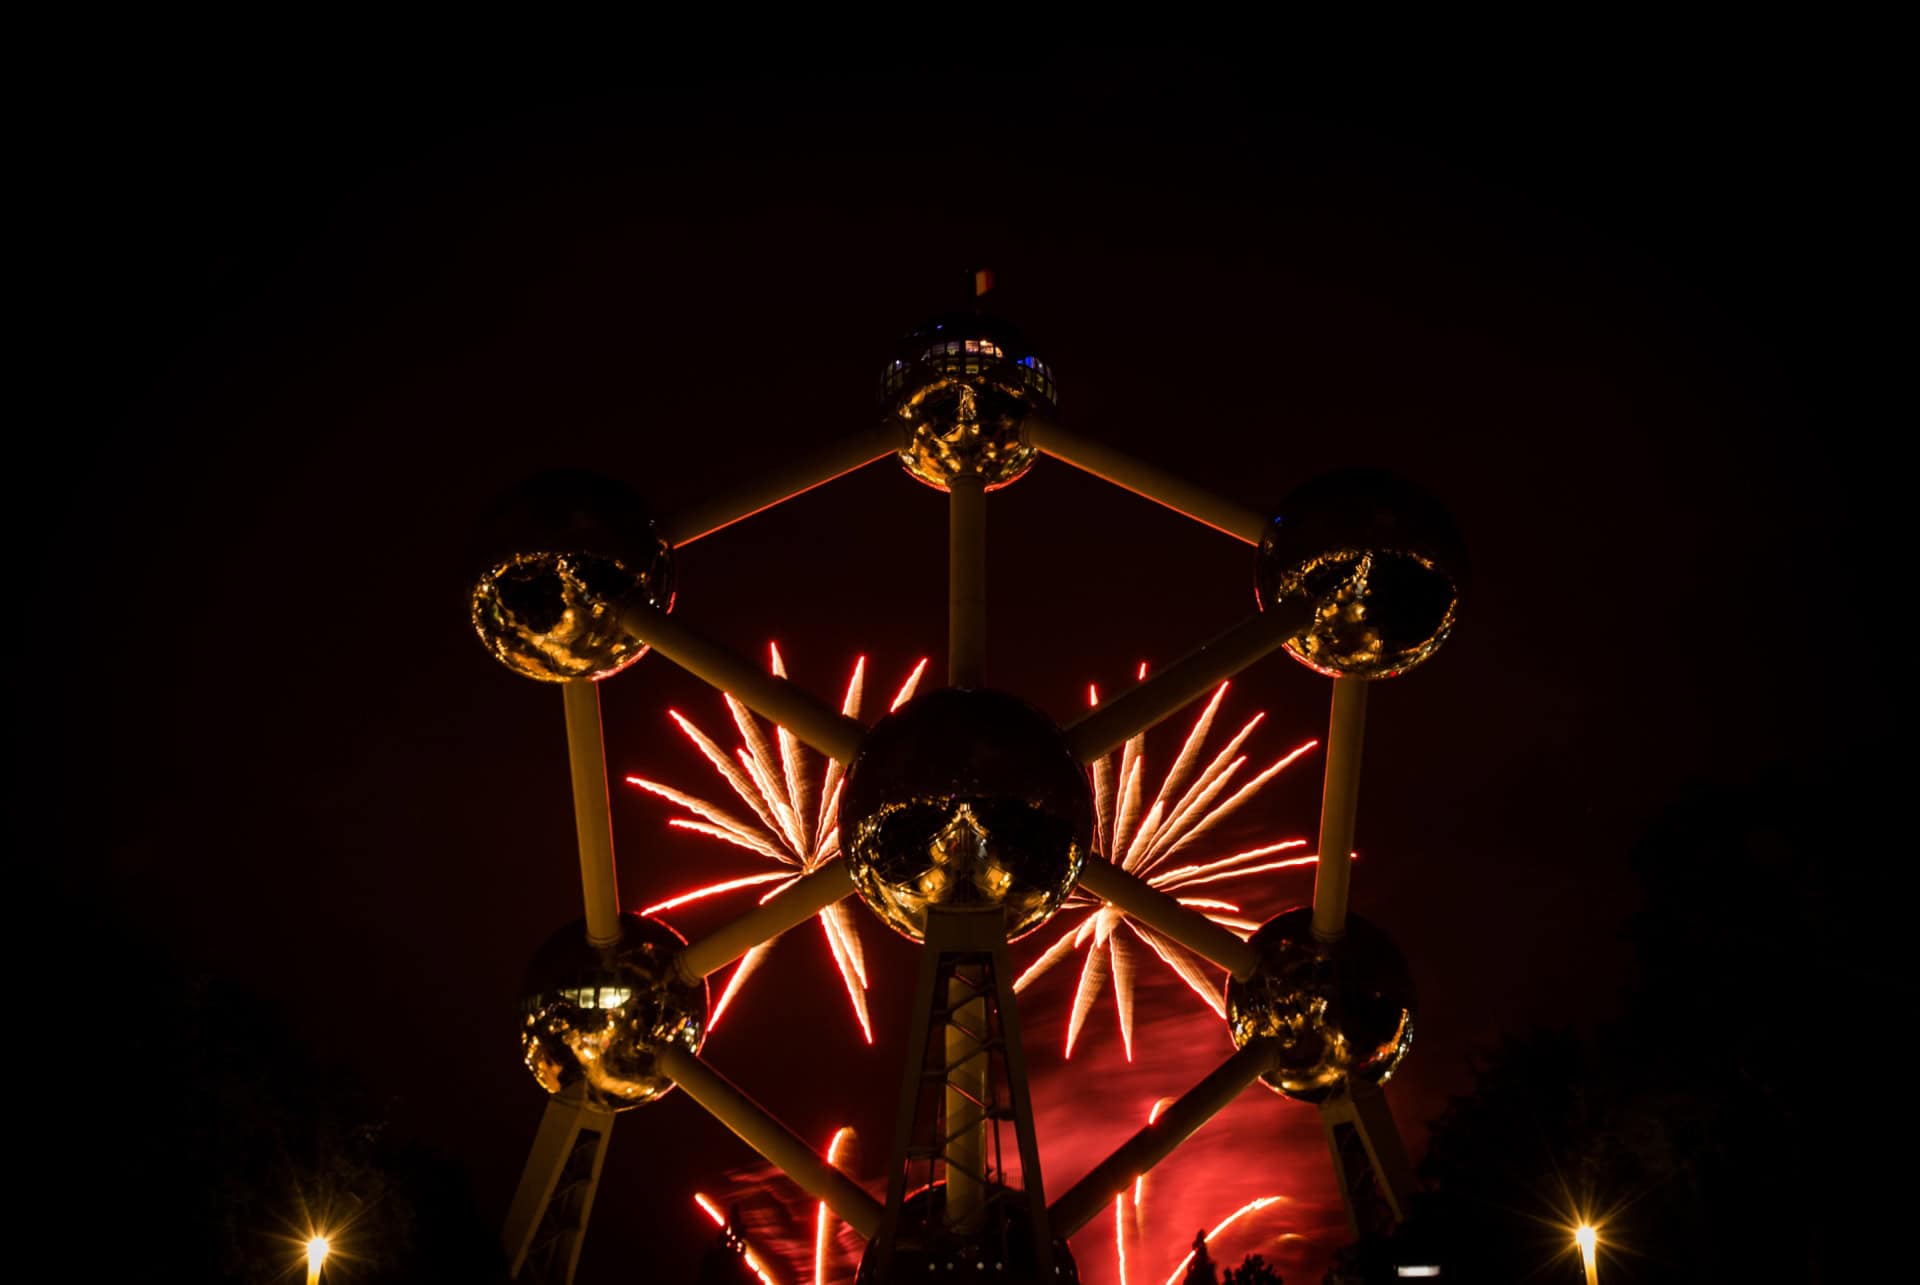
x: 1339, y: 800
x: 1026, y: 1137
x: 966, y: 580
x: 1369, y: 1161
x: 592, y: 816
x: 964, y: 975
x: 965, y: 1096
x: 966, y: 1085
x: 547, y: 1221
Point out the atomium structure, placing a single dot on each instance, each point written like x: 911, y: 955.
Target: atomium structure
x: 967, y: 818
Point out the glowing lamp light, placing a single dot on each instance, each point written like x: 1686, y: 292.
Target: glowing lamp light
x: 317, y: 1249
x: 1420, y: 1270
x: 1588, y: 1238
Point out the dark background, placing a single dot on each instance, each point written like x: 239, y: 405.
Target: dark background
x: 316, y: 306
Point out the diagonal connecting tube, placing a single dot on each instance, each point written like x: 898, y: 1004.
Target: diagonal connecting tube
x: 1085, y: 1200
x: 832, y: 460
x: 792, y: 707
x: 1165, y: 915
x: 1199, y: 671
x: 1148, y: 482
x: 808, y: 896
x: 759, y: 1130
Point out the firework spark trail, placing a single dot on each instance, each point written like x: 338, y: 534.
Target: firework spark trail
x: 1250, y: 1207
x: 1139, y: 1212
x: 753, y: 1260
x: 793, y: 823
x: 821, y: 1214
x: 1140, y: 836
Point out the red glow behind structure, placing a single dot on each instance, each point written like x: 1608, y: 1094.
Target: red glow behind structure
x: 1186, y: 806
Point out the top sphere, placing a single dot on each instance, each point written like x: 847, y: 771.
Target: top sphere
x: 1380, y: 560
x: 961, y: 388
x: 558, y: 560
x: 967, y: 800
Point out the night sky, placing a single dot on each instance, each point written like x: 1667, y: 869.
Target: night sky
x: 325, y: 309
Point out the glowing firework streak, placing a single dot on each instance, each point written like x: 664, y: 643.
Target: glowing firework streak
x: 1139, y: 1212
x: 1141, y: 840
x: 791, y: 823
x: 844, y: 1135
x: 746, y: 1251
x: 1250, y: 1207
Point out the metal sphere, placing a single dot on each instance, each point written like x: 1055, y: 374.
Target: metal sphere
x: 969, y: 800
x: 593, y: 1015
x: 961, y: 388
x: 1342, y: 1010
x: 558, y: 561
x: 1001, y: 1252
x: 1381, y: 562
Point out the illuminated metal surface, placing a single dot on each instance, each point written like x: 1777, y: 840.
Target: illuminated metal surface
x: 965, y: 799
x: 1002, y: 1252
x: 961, y: 389
x: 592, y: 1017
x: 1341, y: 1011
x: 1381, y: 563
x: 561, y: 557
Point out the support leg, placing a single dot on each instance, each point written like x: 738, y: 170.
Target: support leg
x: 1369, y: 1161
x: 547, y: 1221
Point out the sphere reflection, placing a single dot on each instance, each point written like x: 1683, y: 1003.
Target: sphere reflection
x: 961, y: 387
x: 1342, y: 1011
x: 592, y: 1016
x: 561, y: 557
x: 965, y: 799
x: 1382, y: 564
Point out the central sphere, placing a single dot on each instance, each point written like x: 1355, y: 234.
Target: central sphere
x: 593, y: 1015
x: 961, y: 388
x: 969, y: 800
x: 1342, y: 1010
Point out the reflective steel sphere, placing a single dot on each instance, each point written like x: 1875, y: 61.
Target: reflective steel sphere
x: 1342, y: 1011
x: 558, y: 559
x: 1381, y: 562
x: 1001, y: 1252
x: 961, y: 388
x: 593, y: 1016
x: 966, y: 799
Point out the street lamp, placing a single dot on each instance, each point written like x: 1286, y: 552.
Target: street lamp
x: 1589, y: 1240
x: 316, y: 1256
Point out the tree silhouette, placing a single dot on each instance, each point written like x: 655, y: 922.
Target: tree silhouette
x: 1200, y: 1271
x: 1253, y: 1270
x: 1686, y: 1126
